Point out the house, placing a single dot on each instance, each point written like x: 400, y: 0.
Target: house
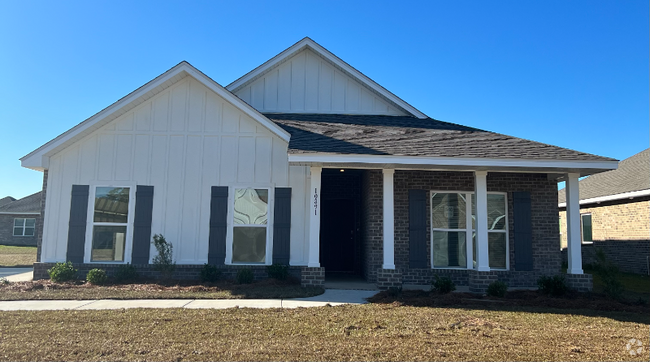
x: 307, y: 162
x: 615, y: 214
x: 19, y: 220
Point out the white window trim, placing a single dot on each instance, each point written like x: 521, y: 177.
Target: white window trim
x: 469, y: 230
x: 582, y: 237
x: 231, y: 223
x: 128, y: 242
x: 13, y: 228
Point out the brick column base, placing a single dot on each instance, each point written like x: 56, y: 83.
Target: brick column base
x: 580, y: 282
x: 388, y: 279
x: 312, y: 277
x: 479, y: 281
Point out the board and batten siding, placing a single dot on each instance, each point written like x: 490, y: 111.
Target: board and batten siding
x: 307, y: 83
x: 182, y: 141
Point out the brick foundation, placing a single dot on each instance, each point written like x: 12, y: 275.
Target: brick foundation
x: 580, y: 282
x: 479, y: 281
x: 388, y: 279
x: 312, y: 277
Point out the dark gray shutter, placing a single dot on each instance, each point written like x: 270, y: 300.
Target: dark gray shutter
x: 142, y: 224
x: 218, y: 225
x: 417, y: 229
x: 77, y: 223
x: 523, y: 231
x: 282, y: 226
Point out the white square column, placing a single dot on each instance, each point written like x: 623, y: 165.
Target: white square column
x: 314, y: 218
x: 389, y: 220
x: 480, y: 192
x: 574, y: 239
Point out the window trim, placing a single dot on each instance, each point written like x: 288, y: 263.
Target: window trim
x: 231, y: 223
x: 582, y: 236
x: 24, y: 227
x: 128, y: 242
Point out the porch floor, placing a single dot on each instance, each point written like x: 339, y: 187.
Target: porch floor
x: 347, y: 282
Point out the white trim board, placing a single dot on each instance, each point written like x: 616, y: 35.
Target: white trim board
x: 330, y: 57
x: 625, y: 195
x: 19, y: 213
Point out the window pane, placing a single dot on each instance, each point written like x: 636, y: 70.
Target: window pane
x: 251, y: 206
x: 497, y: 250
x: 449, y: 249
x: 111, y: 204
x: 30, y: 223
x: 18, y: 231
x: 496, y: 211
x: 586, y: 228
x: 249, y: 245
x: 29, y: 231
x: 108, y: 243
x: 448, y: 211
x: 19, y: 222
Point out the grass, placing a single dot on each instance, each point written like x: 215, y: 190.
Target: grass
x: 636, y: 286
x: 386, y: 332
x: 263, y: 289
x: 17, y: 256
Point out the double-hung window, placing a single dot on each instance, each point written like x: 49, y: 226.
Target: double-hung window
x: 110, y: 221
x: 24, y: 227
x: 587, y: 235
x: 250, y: 225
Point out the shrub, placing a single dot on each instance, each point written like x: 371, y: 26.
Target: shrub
x: 62, y: 272
x: 395, y: 291
x: 210, y: 273
x: 126, y: 273
x: 497, y: 289
x: 163, y: 262
x: 245, y: 276
x: 609, y: 275
x: 4, y: 281
x: 278, y: 271
x: 554, y: 286
x: 96, y: 276
x: 443, y: 285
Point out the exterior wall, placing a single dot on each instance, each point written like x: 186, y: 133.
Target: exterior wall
x: 7, y: 230
x: 307, y: 83
x: 182, y: 141
x: 546, y: 254
x: 39, y: 244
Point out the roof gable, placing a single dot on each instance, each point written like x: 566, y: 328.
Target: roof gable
x: 308, y: 78
x: 29, y: 204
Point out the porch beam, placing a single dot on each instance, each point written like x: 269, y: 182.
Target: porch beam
x: 480, y: 191
x: 314, y: 217
x: 389, y: 219
x: 574, y: 239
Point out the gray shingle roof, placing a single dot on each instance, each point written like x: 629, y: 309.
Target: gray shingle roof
x: 6, y: 200
x: 31, y: 203
x: 410, y: 136
x: 633, y: 174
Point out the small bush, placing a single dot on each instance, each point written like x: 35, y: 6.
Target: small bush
x: 554, y: 286
x: 4, y: 281
x: 443, y: 285
x: 96, y: 276
x: 210, y: 273
x: 497, y: 289
x: 62, y: 272
x: 278, y: 271
x: 245, y: 276
x: 126, y: 273
x: 608, y: 273
x: 395, y: 291
x: 163, y: 262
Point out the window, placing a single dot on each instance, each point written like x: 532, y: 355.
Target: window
x: 250, y: 225
x: 110, y: 223
x: 24, y: 227
x: 585, y: 221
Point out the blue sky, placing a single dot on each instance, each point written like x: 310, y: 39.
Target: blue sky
x: 568, y: 73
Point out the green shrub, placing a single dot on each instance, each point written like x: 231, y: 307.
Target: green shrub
x: 163, y: 262
x: 245, y: 276
x: 96, y: 276
x: 62, y: 272
x: 554, y: 286
x: 126, y: 273
x: 4, y: 281
x: 395, y: 291
x: 442, y: 285
x: 210, y: 273
x: 497, y: 289
x: 609, y: 275
x: 278, y: 271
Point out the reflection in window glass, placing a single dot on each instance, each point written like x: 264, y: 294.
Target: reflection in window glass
x: 110, y: 220
x: 449, y: 249
x: 586, y: 228
x: 111, y: 204
x: 250, y: 218
x: 251, y: 206
x: 448, y: 211
x: 497, y: 250
x: 249, y: 245
x: 108, y: 243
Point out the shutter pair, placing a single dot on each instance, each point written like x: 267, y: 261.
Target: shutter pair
x: 418, y: 255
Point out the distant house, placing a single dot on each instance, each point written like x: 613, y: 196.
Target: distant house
x: 615, y: 214
x: 19, y: 220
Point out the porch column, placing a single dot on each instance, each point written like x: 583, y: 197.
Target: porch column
x: 480, y: 192
x: 574, y: 239
x: 314, y: 218
x: 389, y: 220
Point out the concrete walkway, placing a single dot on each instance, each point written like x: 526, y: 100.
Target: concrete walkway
x: 17, y: 274
x: 331, y: 296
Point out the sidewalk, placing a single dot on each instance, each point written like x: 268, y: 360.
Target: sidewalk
x: 17, y: 274
x: 331, y: 296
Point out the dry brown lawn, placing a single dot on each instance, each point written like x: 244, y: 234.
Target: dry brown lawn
x: 368, y: 332
x: 12, y: 256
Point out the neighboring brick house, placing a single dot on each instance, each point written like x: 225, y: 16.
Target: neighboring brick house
x: 615, y: 214
x: 306, y: 162
x: 19, y: 220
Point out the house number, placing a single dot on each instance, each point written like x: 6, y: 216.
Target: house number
x: 315, y: 201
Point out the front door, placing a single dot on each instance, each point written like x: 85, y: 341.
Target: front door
x: 337, y: 237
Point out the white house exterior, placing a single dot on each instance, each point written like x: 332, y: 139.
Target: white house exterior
x: 236, y: 176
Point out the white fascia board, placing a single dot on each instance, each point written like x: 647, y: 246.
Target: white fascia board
x: 19, y: 213
x: 485, y: 163
x: 308, y: 43
x: 625, y: 195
